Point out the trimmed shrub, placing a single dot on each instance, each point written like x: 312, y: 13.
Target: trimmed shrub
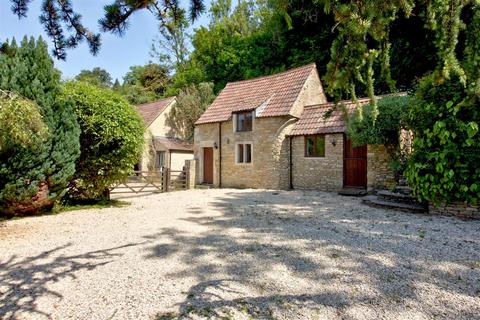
x: 111, y: 140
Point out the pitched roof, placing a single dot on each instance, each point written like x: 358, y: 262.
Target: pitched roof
x: 150, y: 111
x: 276, y: 95
x: 317, y: 120
x: 173, y: 143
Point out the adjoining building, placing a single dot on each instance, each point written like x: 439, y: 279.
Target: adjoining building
x: 162, y: 148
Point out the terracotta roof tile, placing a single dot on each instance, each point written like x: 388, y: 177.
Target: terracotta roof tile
x: 278, y: 91
x: 313, y: 120
x: 173, y: 143
x: 150, y: 111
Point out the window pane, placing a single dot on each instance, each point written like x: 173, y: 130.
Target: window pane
x: 248, y: 153
x: 244, y: 121
x: 320, y: 146
x: 160, y: 159
x: 248, y: 121
x: 240, y: 121
x: 309, y: 146
x: 240, y: 153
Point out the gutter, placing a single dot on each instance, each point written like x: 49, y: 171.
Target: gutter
x: 219, y: 154
x: 291, y: 163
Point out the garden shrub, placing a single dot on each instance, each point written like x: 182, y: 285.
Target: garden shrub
x: 111, y: 140
x: 364, y: 127
x: 32, y: 179
x: 21, y: 123
x: 446, y: 151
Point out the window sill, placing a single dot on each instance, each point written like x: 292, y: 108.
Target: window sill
x: 312, y: 157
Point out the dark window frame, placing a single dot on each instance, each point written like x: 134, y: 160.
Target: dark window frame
x: 317, y: 138
x: 242, y: 126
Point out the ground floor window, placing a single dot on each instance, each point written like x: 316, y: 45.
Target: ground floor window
x: 315, y: 146
x: 160, y: 159
x: 244, y: 153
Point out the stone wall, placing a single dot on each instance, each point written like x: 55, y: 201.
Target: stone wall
x: 311, y: 94
x: 324, y: 173
x: 159, y: 126
x: 270, y: 153
x: 379, y: 173
x: 206, y: 135
x: 190, y: 170
x: 269, y: 167
x: 460, y: 210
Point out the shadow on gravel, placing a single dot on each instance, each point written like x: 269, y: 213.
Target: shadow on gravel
x: 336, y: 243
x: 22, y: 282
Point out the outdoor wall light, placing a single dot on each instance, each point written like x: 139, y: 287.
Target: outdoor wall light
x: 215, y: 145
x: 333, y: 142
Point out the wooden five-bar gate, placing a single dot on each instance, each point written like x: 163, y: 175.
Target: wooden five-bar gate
x: 152, y: 182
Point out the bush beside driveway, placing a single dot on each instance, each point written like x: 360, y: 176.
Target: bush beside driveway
x: 238, y: 254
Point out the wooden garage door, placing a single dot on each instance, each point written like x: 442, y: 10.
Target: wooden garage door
x: 208, y: 165
x: 355, y: 166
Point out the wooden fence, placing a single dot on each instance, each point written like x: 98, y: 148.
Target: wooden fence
x: 164, y: 180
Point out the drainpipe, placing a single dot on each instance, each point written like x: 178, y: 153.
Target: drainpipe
x: 291, y: 163
x: 219, y: 154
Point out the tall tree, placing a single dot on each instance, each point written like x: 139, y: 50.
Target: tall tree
x: 34, y: 178
x: 97, y: 76
x: 58, y: 15
x: 192, y: 101
x: 171, y: 47
x: 145, y: 83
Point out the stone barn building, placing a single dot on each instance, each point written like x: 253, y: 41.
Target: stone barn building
x: 270, y: 132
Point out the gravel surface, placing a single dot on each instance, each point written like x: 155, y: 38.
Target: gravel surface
x: 240, y: 254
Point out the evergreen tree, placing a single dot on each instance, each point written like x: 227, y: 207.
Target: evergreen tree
x: 33, y: 178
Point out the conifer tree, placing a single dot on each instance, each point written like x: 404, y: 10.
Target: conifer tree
x: 33, y: 178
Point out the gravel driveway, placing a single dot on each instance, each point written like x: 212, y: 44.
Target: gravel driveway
x: 240, y: 254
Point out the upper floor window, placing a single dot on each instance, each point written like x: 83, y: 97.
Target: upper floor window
x: 315, y: 146
x: 244, y: 121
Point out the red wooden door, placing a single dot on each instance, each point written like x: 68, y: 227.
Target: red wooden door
x: 208, y: 165
x: 355, y: 166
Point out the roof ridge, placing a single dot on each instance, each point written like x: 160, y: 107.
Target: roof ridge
x: 313, y: 65
x: 156, y: 101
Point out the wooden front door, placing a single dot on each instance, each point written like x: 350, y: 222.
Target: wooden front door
x: 208, y: 165
x: 354, y: 166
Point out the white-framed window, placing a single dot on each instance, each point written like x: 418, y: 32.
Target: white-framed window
x: 243, y: 153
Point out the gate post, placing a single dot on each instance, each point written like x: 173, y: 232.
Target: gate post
x: 165, y: 179
x: 190, y: 177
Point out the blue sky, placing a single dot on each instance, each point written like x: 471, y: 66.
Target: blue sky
x: 116, y: 55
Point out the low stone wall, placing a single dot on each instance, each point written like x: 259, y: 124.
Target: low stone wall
x: 325, y: 173
x: 460, y: 210
x: 379, y: 173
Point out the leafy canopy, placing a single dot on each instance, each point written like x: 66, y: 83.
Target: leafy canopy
x: 97, y: 76
x: 192, y: 101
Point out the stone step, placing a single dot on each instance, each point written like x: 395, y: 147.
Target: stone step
x: 352, y: 192
x: 396, y: 197
x: 403, y: 189
x: 204, y: 186
x: 374, y: 201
